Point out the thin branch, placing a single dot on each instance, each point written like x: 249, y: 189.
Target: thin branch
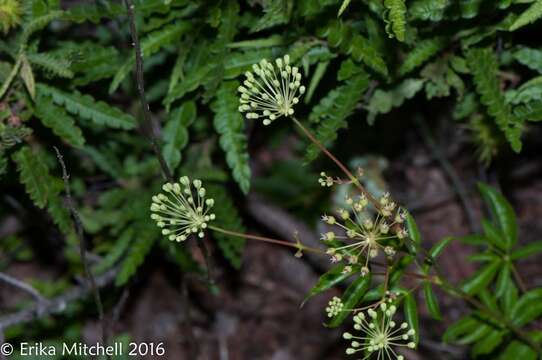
x: 457, y: 185
x: 23, y: 286
x: 82, y: 247
x: 147, y: 124
x: 57, y: 304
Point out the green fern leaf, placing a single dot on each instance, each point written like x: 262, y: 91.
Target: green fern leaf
x: 432, y: 10
x: 334, y: 109
x: 423, y: 51
x: 339, y: 35
x: 51, y: 65
x: 120, y: 247
x: 176, y: 133
x: 88, y: 108
x: 34, y: 175
x: 533, y: 13
x: 531, y: 111
x: 149, y: 46
x: 56, y: 118
x: 229, y: 123
x: 383, y: 102
x: 532, y: 58
x: 94, y: 11
x: 227, y: 217
x: 396, y: 18
x: 38, y: 23
x: 276, y: 12
x: 484, y: 67
x: 139, y: 249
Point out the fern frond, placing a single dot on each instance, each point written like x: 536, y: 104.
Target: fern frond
x: 149, y: 46
x: 339, y: 35
x: 276, y: 12
x: 531, y: 111
x: 396, y: 18
x: 229, y: 123
x: 432, y: 10
x: 484, y: 67
x: 423, y: 51
x: 88, y: 108
x: 333, y: 110
x: 383, y: 102
x: 56, y: 118
x: 114, y: 254
x: 38, y: 23
x: 139, y: 249
x: 533, y: 13
x: 176, y: 133
x: 227, y: 217
x: 532, y: 58
x: 34, y: 175
x: 52, y: 65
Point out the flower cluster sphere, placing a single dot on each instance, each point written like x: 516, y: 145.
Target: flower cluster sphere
x: 270, y: 90
x: 182, y: 210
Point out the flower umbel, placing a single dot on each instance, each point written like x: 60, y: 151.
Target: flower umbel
x: 381, y: 334
x: 270, y: 90
x: 182, y: 209
x: 363, y: 236
x: 334, y: 307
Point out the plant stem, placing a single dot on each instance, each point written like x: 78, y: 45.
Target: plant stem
x: 298, y: 246
x: 341, y: 166
x: 518, y: 278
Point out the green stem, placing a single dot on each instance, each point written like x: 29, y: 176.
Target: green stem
x: 341, y: 166
x: 298, y: 246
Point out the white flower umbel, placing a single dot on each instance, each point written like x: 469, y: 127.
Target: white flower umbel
x: 363, y: 236
x: 380, y: 334
x: 270, y: 90
x: 334, y: 307
x: 182, y: 210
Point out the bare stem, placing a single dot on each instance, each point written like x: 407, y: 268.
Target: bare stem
x: 147, y: 125
x: 82, y: 247
x: 21, y: 285
x: 298, y: 246
x: 341, y: 166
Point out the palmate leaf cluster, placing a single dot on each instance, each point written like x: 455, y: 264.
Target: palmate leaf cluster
x: 66, y: 80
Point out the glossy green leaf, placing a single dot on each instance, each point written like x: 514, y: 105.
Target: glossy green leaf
x: 330, y: 279
x: 519, y: 350
x: 463, y: 326
x: 502, y: 212
x: 351, y: 298
x: 490, y: 341
x: 439, y: 247
x: 493, y: 235
x: 504, y: 280
x: 527, y: 250
x: 431, y: 301
x: 481, y: 278
x: 411, y: 315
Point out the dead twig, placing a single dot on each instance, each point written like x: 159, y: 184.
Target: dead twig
x: 82, y: 247
x: 21, y: 285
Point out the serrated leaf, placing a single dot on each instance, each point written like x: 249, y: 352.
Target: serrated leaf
x: 229, y: 123
x: 34, y: 175
x: 431, y: 301
x: 88, y: 108
x: 484, y: 66
x: 502, y: 212
x: 56, y: 118
x: 150, y: 44
x: 114, y: 254
x: 533, y: 13
x: 432, y: 10
x: 351, y: 298
x: 383, y: 102
x: 396, y: 18
x: 532, y: 58
x: 333, y: 110
x: 139, y: 249
x: 481, y: 278
x: 275, y: 12
x: 423, y: 51
x: 51, y: 65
